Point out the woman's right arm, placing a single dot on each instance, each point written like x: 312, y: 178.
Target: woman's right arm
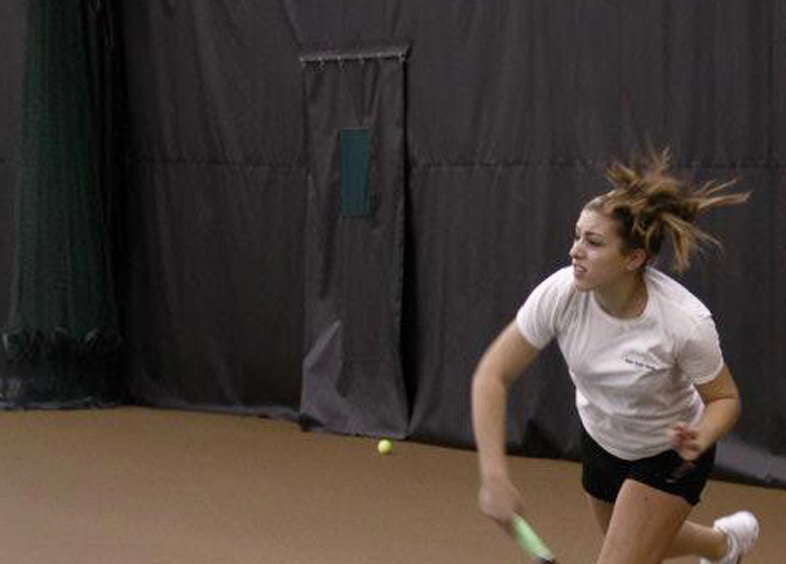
x: 505, y: 360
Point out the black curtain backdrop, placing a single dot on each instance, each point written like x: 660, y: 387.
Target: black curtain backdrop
x: 513, y: 109
x: 215, y: 207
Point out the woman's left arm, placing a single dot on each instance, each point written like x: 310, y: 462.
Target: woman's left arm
x: 722, y: 408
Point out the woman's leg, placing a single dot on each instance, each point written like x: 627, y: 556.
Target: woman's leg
x: 643, y: 525
x: 691, y: 540
x: 698, y: 540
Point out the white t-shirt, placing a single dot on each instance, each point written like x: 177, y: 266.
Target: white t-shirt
x: 635, y: 377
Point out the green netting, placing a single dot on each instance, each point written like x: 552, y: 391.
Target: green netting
x: 62, y: 298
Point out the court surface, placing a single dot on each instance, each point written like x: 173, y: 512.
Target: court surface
x: 144, y: 486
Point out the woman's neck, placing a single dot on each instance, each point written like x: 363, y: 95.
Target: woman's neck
x: 625, y: 298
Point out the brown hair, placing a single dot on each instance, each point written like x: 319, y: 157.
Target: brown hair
x: 648, y: 202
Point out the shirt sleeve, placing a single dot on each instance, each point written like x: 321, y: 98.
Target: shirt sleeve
x: 538, y: 318
x: 701, y: 359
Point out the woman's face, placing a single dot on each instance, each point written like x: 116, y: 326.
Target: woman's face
x: 597, y: 253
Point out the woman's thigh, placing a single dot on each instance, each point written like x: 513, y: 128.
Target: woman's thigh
x: 643, y: 524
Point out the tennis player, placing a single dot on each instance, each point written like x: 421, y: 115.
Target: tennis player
x: 652, y: 390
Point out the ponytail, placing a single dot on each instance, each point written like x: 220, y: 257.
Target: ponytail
x: 649, y: 203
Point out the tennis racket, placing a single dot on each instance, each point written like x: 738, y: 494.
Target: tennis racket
x: 531, y: 543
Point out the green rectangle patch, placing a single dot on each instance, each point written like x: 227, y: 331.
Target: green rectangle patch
x: 355, y: 199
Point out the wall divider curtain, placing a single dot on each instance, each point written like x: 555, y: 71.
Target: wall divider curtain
x: 354, y: 240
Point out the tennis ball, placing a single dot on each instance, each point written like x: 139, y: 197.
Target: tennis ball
x: 384, y: 446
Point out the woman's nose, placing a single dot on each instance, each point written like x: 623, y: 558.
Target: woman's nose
x: 575, y: 249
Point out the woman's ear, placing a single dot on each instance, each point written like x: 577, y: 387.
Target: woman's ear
x: 636, y: 259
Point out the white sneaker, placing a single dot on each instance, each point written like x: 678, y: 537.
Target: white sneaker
x: 742, y: 530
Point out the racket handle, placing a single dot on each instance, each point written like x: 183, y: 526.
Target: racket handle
x: 530, y: 542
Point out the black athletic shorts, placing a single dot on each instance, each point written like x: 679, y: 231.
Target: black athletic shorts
x: 603, y: 474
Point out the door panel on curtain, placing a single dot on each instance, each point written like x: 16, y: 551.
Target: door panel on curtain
x: 354, y: 241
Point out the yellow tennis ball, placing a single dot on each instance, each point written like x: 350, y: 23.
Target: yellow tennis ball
x: 384, y: 446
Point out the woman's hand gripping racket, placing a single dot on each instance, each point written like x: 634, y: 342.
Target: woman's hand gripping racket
x: 531, y: 543
x: 498, y: 498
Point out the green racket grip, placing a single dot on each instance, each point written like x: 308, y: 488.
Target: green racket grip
x: 530, y: 541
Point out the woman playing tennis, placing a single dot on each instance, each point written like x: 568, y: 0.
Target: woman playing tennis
x: 652, y: 390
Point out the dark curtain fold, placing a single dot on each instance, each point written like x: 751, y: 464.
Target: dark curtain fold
x: 354, y: 245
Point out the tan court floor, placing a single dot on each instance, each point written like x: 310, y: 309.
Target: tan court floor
x: 142, y: 486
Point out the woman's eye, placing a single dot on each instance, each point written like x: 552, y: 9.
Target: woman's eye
x: 591, y: 242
